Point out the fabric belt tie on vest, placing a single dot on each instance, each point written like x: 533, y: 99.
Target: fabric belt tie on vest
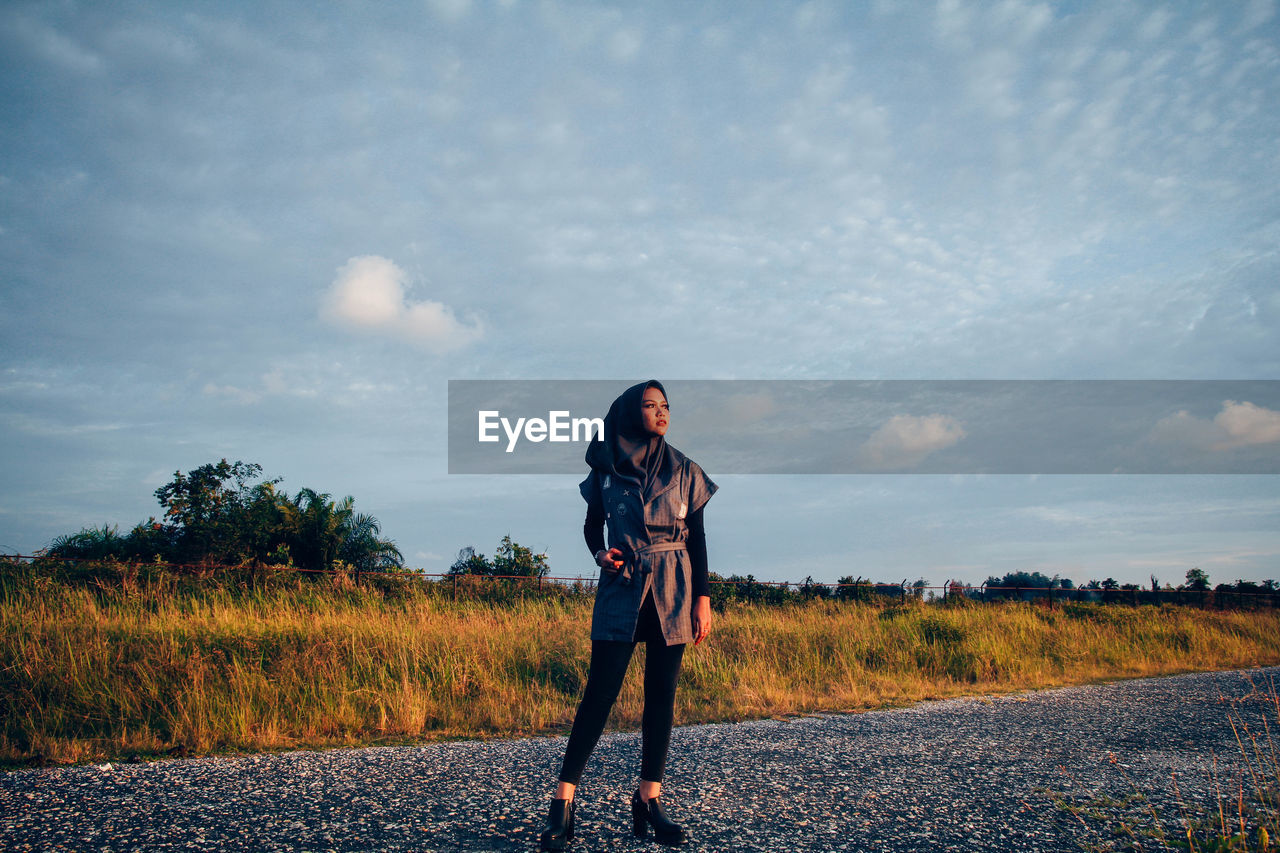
x: 654, y: 548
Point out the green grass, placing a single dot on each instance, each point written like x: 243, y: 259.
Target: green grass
x: 142, y: 663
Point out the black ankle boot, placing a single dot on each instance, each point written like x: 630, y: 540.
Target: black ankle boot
x: 646, y: 814
x: 559, y: 831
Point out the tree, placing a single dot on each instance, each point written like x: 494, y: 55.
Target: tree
x: 470, y: 562
x: 849, y: 589
x: 1197, y: 580
x: 208, y: 506
x: 215, y: 514
x: 321, y: 532
x: 517, y: 560
x: 1020, y: 584
x: 511, y: 560
x: 918, y: 589
x: 264, y: 534
x: 363, y: 548
x: 812, y: 589
x: 314, y: 523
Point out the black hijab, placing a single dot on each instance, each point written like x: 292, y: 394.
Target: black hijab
x: 629, y: 452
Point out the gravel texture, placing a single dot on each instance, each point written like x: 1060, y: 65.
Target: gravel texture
x: 959, y: 774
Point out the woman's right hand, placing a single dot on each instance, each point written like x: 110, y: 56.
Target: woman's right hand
x: 610, y: 560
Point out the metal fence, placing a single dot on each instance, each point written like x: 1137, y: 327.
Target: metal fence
x: 752, y: 590
x: 1204, y: 598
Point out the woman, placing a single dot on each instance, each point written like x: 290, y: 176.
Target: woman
x: 653, y: 589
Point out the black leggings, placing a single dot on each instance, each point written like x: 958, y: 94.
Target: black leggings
x: 609, y: 661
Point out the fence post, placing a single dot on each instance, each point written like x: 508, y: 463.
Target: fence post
x: 454, y: 591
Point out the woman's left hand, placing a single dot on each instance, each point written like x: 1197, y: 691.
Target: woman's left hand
x: 701, y: 618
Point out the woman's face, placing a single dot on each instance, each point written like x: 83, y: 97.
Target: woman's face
x: 654, y: 411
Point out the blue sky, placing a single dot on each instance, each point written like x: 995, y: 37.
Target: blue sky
x: 273, y: 232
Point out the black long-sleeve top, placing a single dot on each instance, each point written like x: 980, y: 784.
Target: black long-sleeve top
x: 593, y: 532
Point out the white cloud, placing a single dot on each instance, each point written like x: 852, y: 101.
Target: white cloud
x: 1246, y: 424
x: 273, y: 383
x: 1153, y: 26
x: 54, y: 47
x: 230, y: 392
x: 150, y: 43
x: 1237, y: 425
x: 905, y: 440
x: 450, y: 10
x: 1257, y: 13
x: 369, y: 295
x: 1181, y: 428
x: 36, y: 425
x: 993, y: 77
x: 1053, y: 515
x: 625, y: 45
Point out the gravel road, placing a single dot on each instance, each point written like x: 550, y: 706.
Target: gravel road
x: 960, y: 774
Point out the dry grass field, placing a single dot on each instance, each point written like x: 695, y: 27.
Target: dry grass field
x: 155, y: 666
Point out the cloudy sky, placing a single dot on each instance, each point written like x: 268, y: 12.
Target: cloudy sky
x: 274, y: 231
